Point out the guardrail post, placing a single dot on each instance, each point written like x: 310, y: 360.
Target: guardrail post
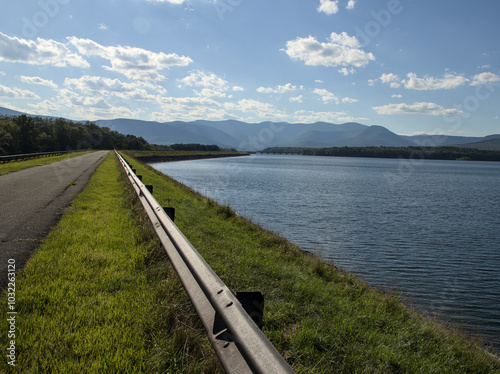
x: 170, y: 212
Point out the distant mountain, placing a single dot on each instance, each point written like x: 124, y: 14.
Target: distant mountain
x: 9, y: 112
x: 257, y: 136
x: 488, y: 143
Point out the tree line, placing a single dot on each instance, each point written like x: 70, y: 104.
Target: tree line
x: 24, y: 134
x: 432, y: 153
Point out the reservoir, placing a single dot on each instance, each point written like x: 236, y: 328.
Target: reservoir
x: 427, y: 230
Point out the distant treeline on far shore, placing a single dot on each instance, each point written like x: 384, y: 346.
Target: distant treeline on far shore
x: 25, y: 134
x: 432, y: 153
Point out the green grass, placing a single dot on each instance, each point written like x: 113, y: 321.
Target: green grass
x: 9, y: 167
x: 99, y: 296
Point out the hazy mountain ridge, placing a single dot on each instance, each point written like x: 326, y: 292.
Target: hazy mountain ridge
x: 257, y: 136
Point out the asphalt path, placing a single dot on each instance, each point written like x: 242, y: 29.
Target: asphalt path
x: 33, y: 200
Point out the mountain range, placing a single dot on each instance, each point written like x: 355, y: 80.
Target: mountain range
x: 257, y: 136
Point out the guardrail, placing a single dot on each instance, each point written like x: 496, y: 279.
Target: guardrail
x: 31, y: 155
x: 238, y: 342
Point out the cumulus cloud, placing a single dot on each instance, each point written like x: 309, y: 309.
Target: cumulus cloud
x: 350, y: 4
x: 391, y: 79
x: 134, y: 63
x: 238, y: 89
x: 38, y: 80
x: 431, y: 109
x: 349, y: 100
x: 308, y: 116
x: 278, y: 89
x: 340, y: 50
x: 297, y: 99
x: 39, y: 52
x: 484, y: 78
x: 177, y: 2
x: 201, y: 79
x: 328, y: 6
x: 106, y: 87
x: 427, y: 83
x: 326, y: 95
x: 264, y: 110
x: 17, y: 93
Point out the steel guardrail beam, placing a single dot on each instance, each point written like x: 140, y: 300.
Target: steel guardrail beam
x: 240, y: 345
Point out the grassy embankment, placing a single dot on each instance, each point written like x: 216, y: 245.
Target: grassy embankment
x: 9, y: 167
x: 95, y: 300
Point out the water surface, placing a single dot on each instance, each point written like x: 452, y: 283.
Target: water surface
x: 429, y: 230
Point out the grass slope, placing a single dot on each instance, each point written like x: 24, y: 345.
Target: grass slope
x: 9, y: 167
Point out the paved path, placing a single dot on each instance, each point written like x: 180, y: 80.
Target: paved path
x: 33, y: 200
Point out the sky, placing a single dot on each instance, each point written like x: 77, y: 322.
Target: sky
x: 415, y: 67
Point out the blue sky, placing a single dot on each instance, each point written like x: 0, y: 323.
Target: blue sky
x: 412, y: 66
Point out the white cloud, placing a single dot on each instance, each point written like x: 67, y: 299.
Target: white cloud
x: 326, y: 95
x: 278, y: 89
x: 238, y: 89
x: 349, y: 100
x: 201, y: 79
x: 391, y: 79
x: 397, y: 96
x: 347, y: 71
x: 38, y: 80
x: 340, y: 50
x: 307, y: 116
x: 95, y: 107
x: 318, y: 81
x: 17, y: 93
x: 208, y: 92
x: 188, y: 109
x: 484, y: 78
x: 134, y: 63
x: 107, y: 87
x: 46, y: 107
x: 328, y: 6
x: 297, y: 99
x: 350, y: 4
x: 103, y: 26
x: 448, y: 82
x: 177, y: 2
x: 264, y: 110
x: 39, y: 52
x: 431, y: 109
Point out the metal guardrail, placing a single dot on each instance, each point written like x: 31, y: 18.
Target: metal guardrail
x: 31, y: 155
x: 239, y: 343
